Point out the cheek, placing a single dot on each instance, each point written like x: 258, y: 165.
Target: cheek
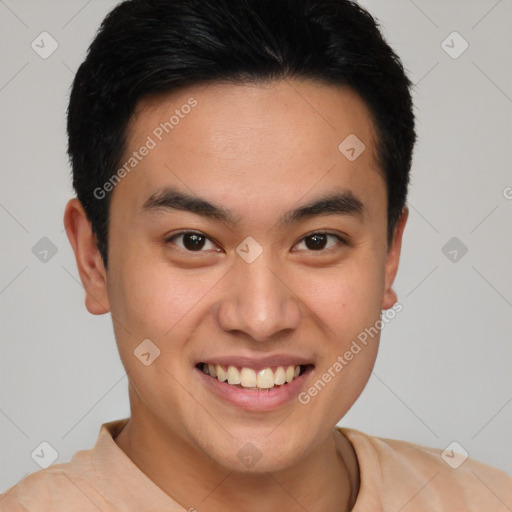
x: 349, y: 311
x: 153, y: 298
x: 153, y: 302
x: 346, y: 298
x: 167, y: 306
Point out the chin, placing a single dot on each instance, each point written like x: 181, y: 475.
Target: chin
x: 253, y: 452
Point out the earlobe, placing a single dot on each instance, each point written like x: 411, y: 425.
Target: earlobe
x: 88, y: 259
x: 393, y: 257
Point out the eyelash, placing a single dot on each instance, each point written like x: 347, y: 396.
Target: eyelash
x: 181, y: 233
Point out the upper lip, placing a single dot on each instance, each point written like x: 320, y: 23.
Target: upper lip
x: 256, y: 362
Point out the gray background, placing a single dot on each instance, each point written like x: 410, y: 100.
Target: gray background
x: 444, y: 368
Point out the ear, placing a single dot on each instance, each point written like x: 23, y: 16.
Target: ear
x: 88, y: 258
x: 393, y: 257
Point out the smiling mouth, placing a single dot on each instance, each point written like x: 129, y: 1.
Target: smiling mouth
x: 252, y: 380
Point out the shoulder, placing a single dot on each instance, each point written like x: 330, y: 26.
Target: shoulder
x: 54, y: 489
x: 75, y: 486
x: 21, y: 497
x: 429, y: 476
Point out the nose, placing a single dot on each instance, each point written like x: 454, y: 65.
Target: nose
x: 258, y: 301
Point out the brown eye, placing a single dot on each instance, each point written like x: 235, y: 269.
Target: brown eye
x: 315, y: 242
x: 191, y: 241
x: 320, y: 241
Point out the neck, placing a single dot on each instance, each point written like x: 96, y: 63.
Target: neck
x: 325, y: 480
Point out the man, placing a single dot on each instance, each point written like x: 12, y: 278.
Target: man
x: 241, y: 170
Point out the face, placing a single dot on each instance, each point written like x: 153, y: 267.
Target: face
x: 244, y: 237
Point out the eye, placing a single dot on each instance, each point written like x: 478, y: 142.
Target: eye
x: 192, y: 241
x: 320, y: 241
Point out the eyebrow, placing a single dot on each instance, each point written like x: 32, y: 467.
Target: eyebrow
x: 341, y: 202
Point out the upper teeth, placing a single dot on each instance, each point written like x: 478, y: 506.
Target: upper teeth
x: 265, y: 378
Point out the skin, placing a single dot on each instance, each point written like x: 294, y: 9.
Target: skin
x: 259, y: 151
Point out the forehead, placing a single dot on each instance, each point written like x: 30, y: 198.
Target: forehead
x: 253, y: 143
x: 225, y: 114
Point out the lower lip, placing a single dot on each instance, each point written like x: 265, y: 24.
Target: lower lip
x: 250, y: 400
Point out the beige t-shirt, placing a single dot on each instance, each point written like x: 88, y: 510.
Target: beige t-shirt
x: 395, y: 476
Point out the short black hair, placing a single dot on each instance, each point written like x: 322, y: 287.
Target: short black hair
x: 147, y: 47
